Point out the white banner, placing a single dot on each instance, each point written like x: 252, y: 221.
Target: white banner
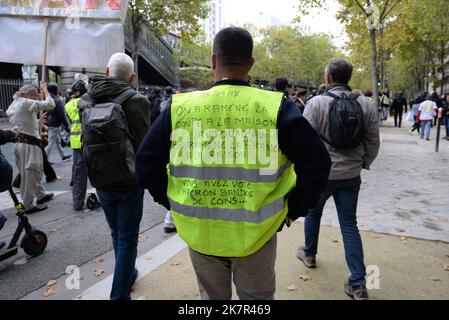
x: 84, y: 9
x: 76, y: 44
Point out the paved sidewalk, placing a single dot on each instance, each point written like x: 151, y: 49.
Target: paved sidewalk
x: 409, y: 269
x: 396, y: 199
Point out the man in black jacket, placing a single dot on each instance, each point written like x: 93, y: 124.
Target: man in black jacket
x: 399, y: 105
x: 55, y: 119
x: 122, y: 202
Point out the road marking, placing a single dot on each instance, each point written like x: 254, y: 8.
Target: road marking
x: 160, y: 255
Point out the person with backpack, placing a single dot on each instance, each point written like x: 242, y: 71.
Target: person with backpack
x: 385, y: 102
x: 348, y: 123
x: 79, y: 169
x: 115, y: 119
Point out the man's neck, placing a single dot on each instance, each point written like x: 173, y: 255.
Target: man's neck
x: 230, y: 75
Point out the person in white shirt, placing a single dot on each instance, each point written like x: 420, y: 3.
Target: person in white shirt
x: 23, y: 114
x: 427, y: 111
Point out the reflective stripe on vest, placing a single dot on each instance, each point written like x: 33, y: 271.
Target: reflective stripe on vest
x: 220, y: 207
x: 230, y: 214
x: 217, y: 173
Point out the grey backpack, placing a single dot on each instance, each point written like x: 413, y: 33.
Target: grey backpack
x: 107, y: 148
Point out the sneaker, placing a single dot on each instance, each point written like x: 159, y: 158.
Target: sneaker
x: 2, y: 244
x: 45, y: 199
x: 308, y: 260
x: 428, y: 139
x: 170, y: 229
x: 36, y: 209
x: 55, y: 180
x: 356, y: 292
x: 66, y: 157
x: 78, y: 209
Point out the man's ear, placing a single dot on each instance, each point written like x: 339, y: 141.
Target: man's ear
x: 328, y: 79
x: 132, y: 78
x: 251, y: 64
x: 108, y: 72
x: 214, y: 61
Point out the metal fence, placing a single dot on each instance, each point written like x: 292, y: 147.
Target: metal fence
x: 7, y: 89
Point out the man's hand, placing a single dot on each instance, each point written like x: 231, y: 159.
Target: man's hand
x: 15, y: 131
x: 44, y: 89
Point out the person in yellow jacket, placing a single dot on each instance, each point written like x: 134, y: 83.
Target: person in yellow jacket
x: 233, y: 164
x: 79, y: 169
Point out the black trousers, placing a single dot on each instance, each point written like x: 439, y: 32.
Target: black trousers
x: 398, y: 117
x: 49, y: 172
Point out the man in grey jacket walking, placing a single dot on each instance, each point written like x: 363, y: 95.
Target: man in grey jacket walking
x: 344, y: 179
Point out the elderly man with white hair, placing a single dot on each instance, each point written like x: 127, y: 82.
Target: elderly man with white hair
x: 122, y: 201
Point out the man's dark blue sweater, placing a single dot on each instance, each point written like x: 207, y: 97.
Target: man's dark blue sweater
x: 297, y: 140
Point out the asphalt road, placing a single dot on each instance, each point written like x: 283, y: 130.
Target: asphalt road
x: 73, y: 238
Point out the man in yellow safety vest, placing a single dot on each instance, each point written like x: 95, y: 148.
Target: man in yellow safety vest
x: 233, y: 164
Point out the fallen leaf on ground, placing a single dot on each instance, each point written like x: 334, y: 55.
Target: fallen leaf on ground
x: 292, y: 288
x: 305, y: 277
x: 20, y: 262
x: 99, y: 272
x: 51, y: 283
x: 403, y: 238
x: 98, y: 260
x: 149, y: 258
x: 177, y: 263
x: 142, y: 238
x: 435, y: 279
x: 400, y: 229
x: 50, y: 291
x: 375, y: 236
x: 446, y: 267
x: 56, y: 229
x: 334, y: 240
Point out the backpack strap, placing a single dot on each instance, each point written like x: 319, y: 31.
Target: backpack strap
x: 330, y: 94
x: 124, y: 96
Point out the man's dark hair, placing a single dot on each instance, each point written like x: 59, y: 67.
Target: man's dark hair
x: 302, y: 92
x: 340, y: 70
x: 53, y: 88
x: 281, y: 84
x: 233, y: 46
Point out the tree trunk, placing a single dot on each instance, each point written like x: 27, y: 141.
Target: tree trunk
x: 135, y: 51
x: 443, y: 66
x: 374, y: 78
x: 381, y: 58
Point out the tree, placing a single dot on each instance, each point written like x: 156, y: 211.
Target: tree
x: 194, y: 57
x: 292, y: 53
x: 355, y: 14
x: 162, y: 16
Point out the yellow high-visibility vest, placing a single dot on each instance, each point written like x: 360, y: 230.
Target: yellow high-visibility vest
x: 228, y: 179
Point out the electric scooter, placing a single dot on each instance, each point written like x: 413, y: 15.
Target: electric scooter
x: 33, y: 242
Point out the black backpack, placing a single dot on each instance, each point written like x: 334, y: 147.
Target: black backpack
x: 107, y: 148
x: 346, y: 124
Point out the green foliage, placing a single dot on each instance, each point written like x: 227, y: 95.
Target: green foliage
x: 290, y: 52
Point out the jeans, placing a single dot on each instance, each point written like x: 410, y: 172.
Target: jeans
x: 385, y: 110
x: 345, y: 194
x: 426, y: 126
x: 79, y: 180
x: 446, y: 124
x: 123, y: 212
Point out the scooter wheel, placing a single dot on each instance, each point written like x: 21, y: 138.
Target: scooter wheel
x: 35, y: 243
x: 92, y: 202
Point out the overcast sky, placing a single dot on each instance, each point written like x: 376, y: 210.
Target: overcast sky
x: 249, y: 11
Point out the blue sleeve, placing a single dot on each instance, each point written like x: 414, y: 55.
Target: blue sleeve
x: 6, y: 136
x: 153, y: 157
x: 304, y: 147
